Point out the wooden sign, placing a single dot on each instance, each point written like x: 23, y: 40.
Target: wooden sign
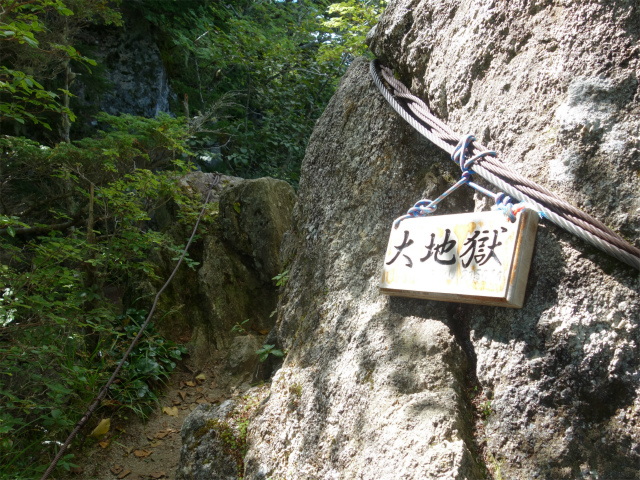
x: 477, y: 258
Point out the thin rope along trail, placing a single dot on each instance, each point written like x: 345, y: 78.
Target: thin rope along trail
x: 103, y: 392
x: 549, y: 204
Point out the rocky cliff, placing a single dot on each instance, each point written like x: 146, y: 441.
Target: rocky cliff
x: 130, y: 64
x: 383, y: 388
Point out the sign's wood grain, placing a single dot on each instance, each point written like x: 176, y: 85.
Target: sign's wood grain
x: 479, y: 258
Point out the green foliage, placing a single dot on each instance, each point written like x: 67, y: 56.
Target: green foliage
x: 485, y: 409
x: 34, y: 36
x: 60, y: 334
x: 149, y: 364
x: 284, y: 59
x: 281, y: 59
x: 267, y: 350
x: 281, y: 279
x: 45, y: 387
x: 349, y: 22
x: 239, y: 328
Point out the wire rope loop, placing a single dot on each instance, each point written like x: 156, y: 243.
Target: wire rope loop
x: 422, y: 208
x: 460, y: 153
x: 531, y: 195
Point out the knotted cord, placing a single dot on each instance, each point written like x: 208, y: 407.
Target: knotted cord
x: 489, y: 167
x: 503, y: 202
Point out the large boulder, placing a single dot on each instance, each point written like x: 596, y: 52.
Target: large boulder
x: 378, y: 387
x: 372, y: 387
x: 237, y: 254
x: 555, y: 90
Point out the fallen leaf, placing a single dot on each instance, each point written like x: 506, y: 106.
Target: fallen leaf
x: 182, y: 384
x: 201, y: 401
x: 157, y: 475
x: 161, y: 434
x: 183, y: 395
x: 200, y: 389
x: 104, y: 444
x: 125, y: 473
x: 171, y: 430
x: 76, y: 470
x: 155, y: 443
x: 142, y: 453
x: 184, y: 407
x: 172, y: 411
x: 149, y: 436
x: 190, y: 384
x: 102, y: 428
x: 202, y: 377
x: 177, y: 402
x: 116, y: 469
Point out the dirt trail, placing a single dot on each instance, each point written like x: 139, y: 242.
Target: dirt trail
x: 134, y: 450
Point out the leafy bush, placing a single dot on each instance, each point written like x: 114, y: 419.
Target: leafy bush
x: 77, y: 223
x: 49, y: 375
x: 149, y: 364
x: 267, y: 350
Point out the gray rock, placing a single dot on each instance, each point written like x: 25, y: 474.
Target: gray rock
x: 242, y: 356
x: 132, y: 64
x: 553, y: 87
x: 237, y: 256
x: 374, y: 387
x: 254, y: 226
x: 202, y: 455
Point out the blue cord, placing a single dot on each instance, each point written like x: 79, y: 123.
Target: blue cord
x: 504, y: 203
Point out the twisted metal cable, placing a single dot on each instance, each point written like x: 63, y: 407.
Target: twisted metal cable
x: 417, y: 114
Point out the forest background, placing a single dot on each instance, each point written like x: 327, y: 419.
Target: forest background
x: 79, y: 187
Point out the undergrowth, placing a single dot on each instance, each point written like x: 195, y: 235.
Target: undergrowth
x: 76, y: 231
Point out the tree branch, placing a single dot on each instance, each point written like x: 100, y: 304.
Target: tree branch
x: 75, y: 220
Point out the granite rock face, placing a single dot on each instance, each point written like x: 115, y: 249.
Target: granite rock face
x: 553, y: 87
x: 372, y: 387
x: 375, y: 387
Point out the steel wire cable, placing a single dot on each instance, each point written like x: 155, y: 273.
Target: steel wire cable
x: 552, y: 206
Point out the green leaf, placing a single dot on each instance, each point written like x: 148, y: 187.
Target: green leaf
x: 30, y: 41
x: 11, y: 231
